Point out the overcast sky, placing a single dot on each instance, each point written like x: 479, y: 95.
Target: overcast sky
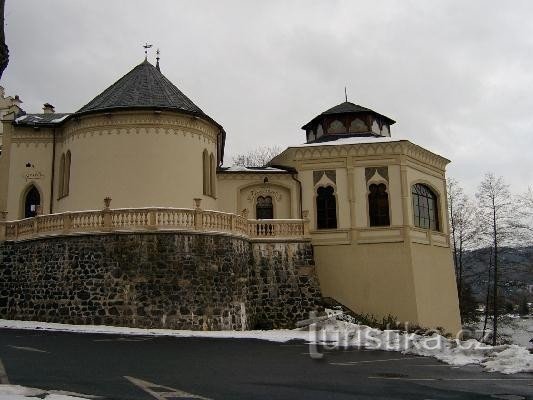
x: 457, y: 76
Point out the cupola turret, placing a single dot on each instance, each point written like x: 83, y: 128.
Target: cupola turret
x: 346, y: 120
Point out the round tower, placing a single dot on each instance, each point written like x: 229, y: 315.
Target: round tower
x: 141, y: 142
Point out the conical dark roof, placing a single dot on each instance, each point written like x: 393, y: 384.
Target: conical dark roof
x: 347, y: 108
x: 143, y: 87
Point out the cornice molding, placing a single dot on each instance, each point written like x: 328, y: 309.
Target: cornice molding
x: 252, y: 176
x: 402, y: 147
x: 139, y: 124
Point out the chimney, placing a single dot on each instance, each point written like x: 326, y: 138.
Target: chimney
x: 48, y: 108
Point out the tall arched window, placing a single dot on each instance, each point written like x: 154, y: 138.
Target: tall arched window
x: 425, y: 208
x: 61, y: 180
x: 326, y: 208
x: 66, y: 182
x: 378, y: 205
x: 32, y: 201
x: 213, y: 174
x: 206, y: 174
x: 264, y: 209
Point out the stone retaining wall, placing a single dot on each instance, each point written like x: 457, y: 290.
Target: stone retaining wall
x: 158, y: 280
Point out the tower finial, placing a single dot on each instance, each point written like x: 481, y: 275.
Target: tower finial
x: 157, y: 60
x: 345, y: 94
x: 146, y: 47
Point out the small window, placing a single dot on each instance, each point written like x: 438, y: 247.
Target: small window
x: 425, y: 208
x: 264, y: 209
x: 326, y: 208
x: 378, y: 205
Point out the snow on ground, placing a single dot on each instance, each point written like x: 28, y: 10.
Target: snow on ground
x: 16, y: 392
x: 331, y: 333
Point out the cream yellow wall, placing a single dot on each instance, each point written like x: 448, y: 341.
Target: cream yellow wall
x: 33, y: 147
x: 369, y: 278
x: 238, y: 191
x: 381, y: 270
x: 434, y: 281
x: 139, y: 159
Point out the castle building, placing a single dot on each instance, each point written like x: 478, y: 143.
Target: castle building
x: 373, y: 207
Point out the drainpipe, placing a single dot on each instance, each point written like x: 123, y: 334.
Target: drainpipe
x: 53, y: 172
x: 293, y: 173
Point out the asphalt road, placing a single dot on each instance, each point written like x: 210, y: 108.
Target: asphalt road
x: 138, y: 367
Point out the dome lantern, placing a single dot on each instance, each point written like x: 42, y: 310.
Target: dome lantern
x: 347, y: 120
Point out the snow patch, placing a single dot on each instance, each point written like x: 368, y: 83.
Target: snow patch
x: 352, y: 140
x: 60, y: 119
x: 16, y: 392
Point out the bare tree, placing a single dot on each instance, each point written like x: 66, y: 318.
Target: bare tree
x: 498, y: 225
x: 259, y: 157
x: 464, y: 232
x: 4, y: 50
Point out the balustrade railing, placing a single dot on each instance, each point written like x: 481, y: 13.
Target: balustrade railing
x: 150, y: 219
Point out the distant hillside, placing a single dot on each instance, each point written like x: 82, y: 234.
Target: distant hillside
x: 515, y: 270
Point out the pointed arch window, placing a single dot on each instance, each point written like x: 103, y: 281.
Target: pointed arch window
x: 212, y: 174
x: 326, y: 208
x: 206, y: 172
x: 378, y: 205
x: 32, y: 202
x: 61, y: 180
x: 425, y: 207
x: 66, y: 181
x: 264, y: 208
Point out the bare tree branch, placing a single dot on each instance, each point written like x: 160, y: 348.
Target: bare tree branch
x: 4, y: 50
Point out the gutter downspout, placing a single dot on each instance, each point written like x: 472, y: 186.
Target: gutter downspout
x: 53, y: 172
x: 293, y: 173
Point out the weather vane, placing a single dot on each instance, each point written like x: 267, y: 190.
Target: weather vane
x: 157, y: 59
x: 146, y: 47
x: 345, y: 94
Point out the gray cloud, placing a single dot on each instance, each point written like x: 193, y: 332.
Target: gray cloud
x: 455, y: 75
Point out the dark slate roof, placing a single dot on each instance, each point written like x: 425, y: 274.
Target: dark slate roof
x: 347, y: 108
x: 48, y: 119
x: 143, y: 87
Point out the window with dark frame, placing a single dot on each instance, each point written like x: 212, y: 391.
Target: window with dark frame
x: 378, y: 205
x: 326, y: 208
x: 264, y: 209
x: 425, y: 209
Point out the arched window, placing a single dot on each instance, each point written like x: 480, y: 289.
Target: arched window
x: 337, y: 127
x: 206, y: 174
x: 378, y: 205
x: 264, y: 208
x: 32, y: 201
x: 425, y: 208
x: 61, y: 179
x: 326, y: 208
x: 213, y: 174
x: 66, y: 181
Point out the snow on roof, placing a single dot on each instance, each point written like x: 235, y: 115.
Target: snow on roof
x: 60, y: 119
x: 22, y: 117
x: 240, y: 168
x: 351, y: 140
